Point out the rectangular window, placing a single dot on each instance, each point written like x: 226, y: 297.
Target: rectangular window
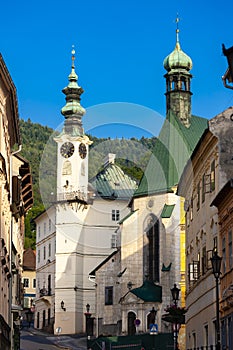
x: 206, y: 336
x: 212, y: 176
x: 194, y: 341
x: 44, y: 253
x: 230, y: 252
x: 198, y: 195
x: 224, y: 255
x: 49, y: 249
x: 50, y: 225
x: 26, y: 282
x: 187, y: 218
x: 44, y: 228
x: 114, y: 241
x: 204, y: 265
x: 115, y: 215
x: 34, y: 283
x: 39, y: 231
x: 191, y: 209
x: 108, y: 295
x: 203, y: 189
x: 38, y: 255
x: 194, y: 271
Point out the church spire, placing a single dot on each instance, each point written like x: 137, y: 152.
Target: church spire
x: 177, y: 29
x: 73, y: 111
x: 178, y: 81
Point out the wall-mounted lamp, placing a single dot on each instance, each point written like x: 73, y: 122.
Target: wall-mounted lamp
x: 88, y: 308
x: 62, y: 305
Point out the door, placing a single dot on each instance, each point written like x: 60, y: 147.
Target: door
x: 131, y: 323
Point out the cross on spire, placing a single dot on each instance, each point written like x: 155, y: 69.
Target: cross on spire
x: 177, y: 28
x: 73, y: 55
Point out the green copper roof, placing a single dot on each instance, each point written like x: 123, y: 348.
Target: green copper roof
x: 167, y: 211
x: 148, y: 292
x: 112, y: 183
x: 172, y: 150
x: 177, y: 60
x: 73, y: 111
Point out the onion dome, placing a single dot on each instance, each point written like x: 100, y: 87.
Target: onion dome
x: 73, y: 111
x: 177, y: 58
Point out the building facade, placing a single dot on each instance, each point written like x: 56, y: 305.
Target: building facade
x: 224, y: 203
x: 45, y: 270
x: 16, y: 199
x: 29, y: 277
x: 203, y: 177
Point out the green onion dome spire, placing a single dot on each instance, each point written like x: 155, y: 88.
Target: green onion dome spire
x: 73, y: 111
x: 177, y: 59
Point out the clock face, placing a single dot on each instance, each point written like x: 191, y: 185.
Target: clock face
x: 67, y: 149
x: 82, y: 150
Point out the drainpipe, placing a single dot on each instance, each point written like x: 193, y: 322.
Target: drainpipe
x: 10, y: 318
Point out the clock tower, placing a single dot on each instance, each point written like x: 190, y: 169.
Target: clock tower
x: 73, y: 144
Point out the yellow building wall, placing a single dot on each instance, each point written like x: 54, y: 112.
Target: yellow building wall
x: 181, y: 338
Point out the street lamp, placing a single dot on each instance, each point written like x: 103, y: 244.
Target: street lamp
x: 216, y: 266
x: 175, y: 297
x: 88, y: 320
x: 175, y: 294
x: 63, y: 305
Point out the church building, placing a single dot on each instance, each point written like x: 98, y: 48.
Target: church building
x: 151, y: 256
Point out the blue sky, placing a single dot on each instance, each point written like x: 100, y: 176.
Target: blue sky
x: 120, y: 48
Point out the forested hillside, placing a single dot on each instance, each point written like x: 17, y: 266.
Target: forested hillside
x: 39, y: 148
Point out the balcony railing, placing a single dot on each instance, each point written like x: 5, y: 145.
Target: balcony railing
x: 73, y: 196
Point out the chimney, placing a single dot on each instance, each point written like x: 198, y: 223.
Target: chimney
x: 109, y: 159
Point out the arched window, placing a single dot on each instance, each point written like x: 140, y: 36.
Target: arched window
x: 151, y: 249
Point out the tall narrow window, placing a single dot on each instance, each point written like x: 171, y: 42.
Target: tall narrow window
x: 108, y: 295
x: 212, y: 176
x: 44, y: 228
x: 230, y: 253
x: 204, y: 267
x: 191, y: 209
x: 50, y: 225
x: 198, y: 195
x: 151, y: 250
x: 26, y: 282
x: 206, y: 336
x: 49, y: 284
x: 224, y: 254
x: 49, y: 249
x: 38, y: 255
x: 44, y: 253
x: 203, y: 189
x: 194, y: 341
